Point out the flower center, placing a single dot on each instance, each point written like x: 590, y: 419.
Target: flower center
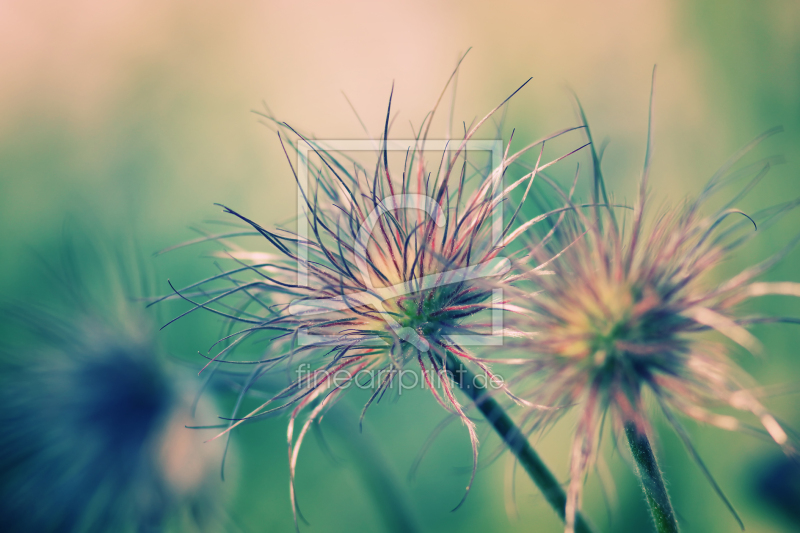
x: 422, y: 313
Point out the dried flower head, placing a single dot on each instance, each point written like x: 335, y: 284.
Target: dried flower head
x: 387, y: 274
x: 93, y: 422
x: 626, y: 311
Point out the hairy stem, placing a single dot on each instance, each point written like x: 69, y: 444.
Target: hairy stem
x: 514, y: 439
x: 652, y: 483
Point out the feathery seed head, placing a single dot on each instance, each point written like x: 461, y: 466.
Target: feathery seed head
x: 627, y: 312
x: 386, y: 275
x: 93, y: 421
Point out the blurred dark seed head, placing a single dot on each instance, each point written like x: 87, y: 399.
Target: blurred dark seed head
x: 93, y: 435
x: 776, y: 482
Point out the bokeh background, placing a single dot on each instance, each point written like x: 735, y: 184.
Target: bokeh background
x: 135, y: 116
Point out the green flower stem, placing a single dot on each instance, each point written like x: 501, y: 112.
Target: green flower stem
x: 514, y: 439
x: 652, y: 483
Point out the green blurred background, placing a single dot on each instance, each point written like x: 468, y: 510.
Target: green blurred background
x: 136, y: 117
